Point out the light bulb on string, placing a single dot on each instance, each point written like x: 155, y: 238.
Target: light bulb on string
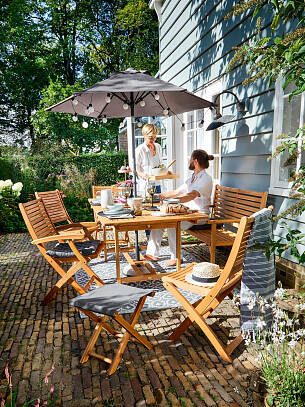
x: 121, y: 124
x: 85, y: 125
x: 90, y: 109
x: 200, y: 125
x: 142, y: 103
x: 104, y: 119
x: 165, y: 112
x: 154, y: 120
x: 182, y: 126
x: 74, y: 101
x: 125, y: 106
x: 156, y: 96
x: 75, y: 117
x: 108, y: 98
x: 139, y: 124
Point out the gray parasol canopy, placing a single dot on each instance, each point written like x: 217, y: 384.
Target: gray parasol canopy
x: 130, y: 93
x: 114, y: 98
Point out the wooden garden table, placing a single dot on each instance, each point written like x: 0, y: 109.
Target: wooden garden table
x: 146, y: 221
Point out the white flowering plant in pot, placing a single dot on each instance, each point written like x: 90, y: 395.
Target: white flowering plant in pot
x: 10, y: 219
x: 280, y: 354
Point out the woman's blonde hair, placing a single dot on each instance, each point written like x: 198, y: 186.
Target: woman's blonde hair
x: 149, y: 131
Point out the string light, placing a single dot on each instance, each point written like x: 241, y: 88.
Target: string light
x: 200, y: 125
x: 74, y: 101
x: 154, y: 120
x: 125, y: 106
x: 85, y: 125
x: 104, y: 119
x: 182, y: 127
x: 107, y: 98
x: 90, y: 109
x: 165, y: 112
x: 142, y: 103
x: 139, y: 124
x: 157, y: 96
x: 122, y: 124
x: 75, y: 117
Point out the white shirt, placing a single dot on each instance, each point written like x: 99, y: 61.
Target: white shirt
x: 202, y: 183
x: 145, y: 161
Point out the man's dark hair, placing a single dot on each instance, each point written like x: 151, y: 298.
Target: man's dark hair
x: 202, y: 157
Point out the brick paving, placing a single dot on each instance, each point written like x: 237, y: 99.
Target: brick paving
x: 183, y: 373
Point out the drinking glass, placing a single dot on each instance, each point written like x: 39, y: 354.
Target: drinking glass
x: 151, y: 189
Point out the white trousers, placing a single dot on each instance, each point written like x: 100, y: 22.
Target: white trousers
x: 154, y: 243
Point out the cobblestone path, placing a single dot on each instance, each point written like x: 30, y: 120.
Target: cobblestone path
x: 184, y: 373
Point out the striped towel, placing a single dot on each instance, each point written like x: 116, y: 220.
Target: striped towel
x: 258, y: 279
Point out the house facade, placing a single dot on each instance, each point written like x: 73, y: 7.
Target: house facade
x: 195, y: 49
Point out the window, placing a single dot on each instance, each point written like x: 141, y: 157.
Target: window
x: 288, y: 117
x: 161, y: 138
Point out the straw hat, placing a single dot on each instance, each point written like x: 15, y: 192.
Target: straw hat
x: 203, y: 274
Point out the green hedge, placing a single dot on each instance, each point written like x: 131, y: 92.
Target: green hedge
x: 40, y: 173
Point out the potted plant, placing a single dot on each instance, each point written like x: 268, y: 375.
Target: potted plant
x: 280, y: 354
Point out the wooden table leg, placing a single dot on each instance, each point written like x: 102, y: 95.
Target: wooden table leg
x: 178, y: 246
x: 117, y: 255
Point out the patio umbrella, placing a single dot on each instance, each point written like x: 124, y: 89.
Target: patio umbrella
x: 130, y: 93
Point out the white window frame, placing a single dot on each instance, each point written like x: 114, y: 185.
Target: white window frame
x: 278, y: 187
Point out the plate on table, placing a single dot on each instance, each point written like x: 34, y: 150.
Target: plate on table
x: 109, y: 212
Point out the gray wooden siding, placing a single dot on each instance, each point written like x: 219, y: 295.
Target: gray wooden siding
x: 195, y: 49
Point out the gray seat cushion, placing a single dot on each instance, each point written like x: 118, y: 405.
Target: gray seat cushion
x: 64, y: 250
x: 109, y: 298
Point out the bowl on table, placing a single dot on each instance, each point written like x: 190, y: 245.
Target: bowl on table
x: 159, y: 171
x: 115, y: 207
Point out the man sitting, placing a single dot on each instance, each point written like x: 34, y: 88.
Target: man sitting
x: 195, y: 193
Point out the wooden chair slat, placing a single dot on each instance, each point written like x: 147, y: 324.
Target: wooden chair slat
x: 39, y: 225
x: 229, y: 203
x: 211, y: 296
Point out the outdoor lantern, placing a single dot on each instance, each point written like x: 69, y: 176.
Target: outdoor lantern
x: 220, y: 120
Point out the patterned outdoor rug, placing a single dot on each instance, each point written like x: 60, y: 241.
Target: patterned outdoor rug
x: 162, y: 299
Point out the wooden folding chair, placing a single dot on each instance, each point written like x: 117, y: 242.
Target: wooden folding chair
x: 211, y: 296
x: 125, y: 240
x: 71, y: 247
x: 108, y: 301
x: 57, y: 211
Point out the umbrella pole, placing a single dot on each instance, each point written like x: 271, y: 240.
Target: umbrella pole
x: 133, y: 145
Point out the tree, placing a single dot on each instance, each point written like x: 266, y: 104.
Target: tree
x: 272, y: 57
x: 67, y: 43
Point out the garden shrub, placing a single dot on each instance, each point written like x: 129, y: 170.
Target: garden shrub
x: 10, y: 216
x: 73, y: 174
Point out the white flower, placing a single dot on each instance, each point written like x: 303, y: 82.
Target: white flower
x: 8, y: 183
x: 279, y: 293
x: 17, y: 187
x: 292, y: 343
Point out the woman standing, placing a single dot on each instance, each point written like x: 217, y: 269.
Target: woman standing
x: 148, y: 156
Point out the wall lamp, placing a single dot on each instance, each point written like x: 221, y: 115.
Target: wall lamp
x: 220, y: 120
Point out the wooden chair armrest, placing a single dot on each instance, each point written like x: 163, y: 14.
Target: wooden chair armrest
x: 82, y: 225
x: 69, y: 236
x: 232, y: 220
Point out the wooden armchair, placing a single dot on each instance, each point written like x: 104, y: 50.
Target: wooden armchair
x: 229, y: 278
x: 57, y: 211
x: 229, y: 206
x: 71, y: 246
x: 125, y: 240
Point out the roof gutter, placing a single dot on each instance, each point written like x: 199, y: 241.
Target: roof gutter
x: 157, y: 5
